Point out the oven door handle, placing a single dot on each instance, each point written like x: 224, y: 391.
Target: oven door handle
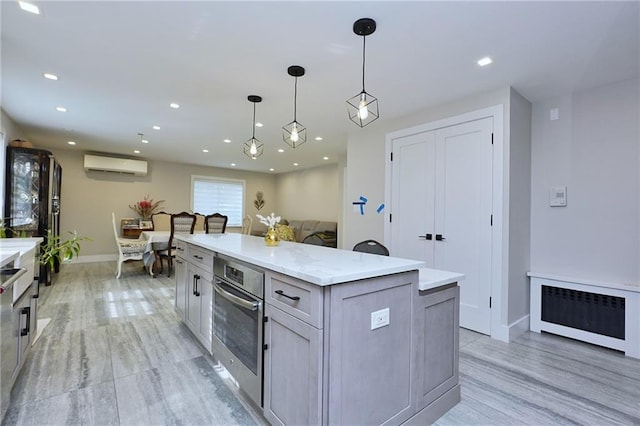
x: 235, y: 299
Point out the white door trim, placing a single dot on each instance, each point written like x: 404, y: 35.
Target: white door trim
x: 499, y: 238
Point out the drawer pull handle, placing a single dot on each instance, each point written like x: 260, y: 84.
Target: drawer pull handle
x: 281, y: 293
x: 198, y: 257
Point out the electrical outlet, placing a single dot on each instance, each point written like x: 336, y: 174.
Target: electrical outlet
x: 379, y: 318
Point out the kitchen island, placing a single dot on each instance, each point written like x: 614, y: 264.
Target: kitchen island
x: 349, y: 337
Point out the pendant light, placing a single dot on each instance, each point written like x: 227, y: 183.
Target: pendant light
x: 294, y: 133
x: 253, y: 148
x: 363, y: 107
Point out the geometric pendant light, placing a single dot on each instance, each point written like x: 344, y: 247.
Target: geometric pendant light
x: 363, y: 107
x: 294, y: 133
x: 253, y: 148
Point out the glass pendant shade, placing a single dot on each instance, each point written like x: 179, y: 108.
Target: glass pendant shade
x: 363, y: 107
x: 294, y: 133
x: 253, y: 148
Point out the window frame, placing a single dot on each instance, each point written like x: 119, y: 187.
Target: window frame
x: 216, y: 179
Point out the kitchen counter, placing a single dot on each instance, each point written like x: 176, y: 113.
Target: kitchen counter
x: 26, y: 249
x: 429, y: 279
x: 8, y: 255
x: 308, y: 262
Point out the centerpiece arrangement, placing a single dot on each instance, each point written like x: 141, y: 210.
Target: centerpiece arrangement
x: 146, y: 207
x: 271, y: 238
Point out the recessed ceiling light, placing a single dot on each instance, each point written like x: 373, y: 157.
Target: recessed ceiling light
x: 485, y: 61
x: 233, y: 164
x: 295, y: 164
x: 61, y: 109
x: 325, y: 158
x: 71, y: 143
x: 272, y: 169
x: 205, y: 150
x: 318, y: 138
x: 259, y: 124
x: 28, y: 7
x: 174, y: 105
x: 281, y: 150
x: 136, y: 152
x: 227, y: 141
x: 50, y: 76
x: 156, y: 127
x: 144, y: 141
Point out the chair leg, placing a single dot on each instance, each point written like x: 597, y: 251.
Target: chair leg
x: 170, y: 263
x: 119, y: 270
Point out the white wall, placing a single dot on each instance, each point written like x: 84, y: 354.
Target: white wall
x: 366, y: 162
x: 310, y: 194
x: 87, y: 199
x: 593, y: 149
x: 519, y: 205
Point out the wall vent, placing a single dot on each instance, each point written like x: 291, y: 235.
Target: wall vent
x: 115, y: 165
x: 597, y: 313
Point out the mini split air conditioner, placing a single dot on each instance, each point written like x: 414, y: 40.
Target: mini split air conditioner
x: 115, y: 165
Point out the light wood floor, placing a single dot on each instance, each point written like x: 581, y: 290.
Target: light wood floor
x: 116, y: 353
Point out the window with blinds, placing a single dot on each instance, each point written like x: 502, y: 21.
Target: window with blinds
x: 216, y: 195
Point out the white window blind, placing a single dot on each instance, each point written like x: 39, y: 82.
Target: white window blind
x: 214, y: 195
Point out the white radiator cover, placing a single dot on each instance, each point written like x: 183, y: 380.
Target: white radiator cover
x: 630, y: 345
x: 115, y: 165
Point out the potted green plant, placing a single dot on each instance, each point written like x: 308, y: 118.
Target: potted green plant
x: 54, y: 250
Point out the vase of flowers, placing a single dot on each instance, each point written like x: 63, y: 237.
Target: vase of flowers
x: 271, y: 238
x: 146, y: 207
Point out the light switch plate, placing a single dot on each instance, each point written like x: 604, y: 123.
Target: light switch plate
x: 379, y: 318
x: 558, y: 196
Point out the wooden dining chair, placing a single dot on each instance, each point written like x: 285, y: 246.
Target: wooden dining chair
x: 161, y: 221
x: 181, y: 223
x: 128, y: 249
x: 215, y: 223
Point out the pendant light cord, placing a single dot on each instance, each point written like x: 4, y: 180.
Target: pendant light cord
x: 364, y: 40
x: 295, y: 100
x: 253, y: 134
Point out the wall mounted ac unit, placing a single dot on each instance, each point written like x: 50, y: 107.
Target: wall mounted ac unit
x: 115, y: 165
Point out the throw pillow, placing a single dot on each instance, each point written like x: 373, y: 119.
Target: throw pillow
x: 285, y: 232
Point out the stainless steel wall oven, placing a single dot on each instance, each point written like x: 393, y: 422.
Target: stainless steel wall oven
x: 238, y: 326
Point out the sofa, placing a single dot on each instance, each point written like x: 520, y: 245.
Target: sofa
x: 325, y: 232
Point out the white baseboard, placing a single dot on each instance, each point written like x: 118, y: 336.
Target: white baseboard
x: 508, y: 333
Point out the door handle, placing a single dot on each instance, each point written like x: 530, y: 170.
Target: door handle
x: 439, y: 237
x: 426, y: 236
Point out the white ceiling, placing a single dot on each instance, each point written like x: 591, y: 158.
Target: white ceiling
x: 120, y: 64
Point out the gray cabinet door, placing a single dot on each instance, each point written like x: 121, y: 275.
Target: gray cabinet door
x: 181, y: 286
x: 192, y: 317
x: 205, y: 287
x: 293, y: 370
x: 436, y: 345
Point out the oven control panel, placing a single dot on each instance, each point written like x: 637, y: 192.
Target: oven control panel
x: 240, y: 274
x: 234, y: 274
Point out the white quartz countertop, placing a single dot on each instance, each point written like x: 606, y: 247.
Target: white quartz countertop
x: 432, y: 278
x: 315, y: 264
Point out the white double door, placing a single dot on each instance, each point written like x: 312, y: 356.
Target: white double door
x: 441, y: 205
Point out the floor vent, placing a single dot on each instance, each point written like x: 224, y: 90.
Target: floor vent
x: 597, y: 313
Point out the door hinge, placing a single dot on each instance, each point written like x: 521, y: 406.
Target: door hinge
x: 489, y: 302
x: 390, y: 220
x: 491, y: 138
x: 491, y: 220
x: 265, y: 346
x: 392, y: 156
x: 265, y: 319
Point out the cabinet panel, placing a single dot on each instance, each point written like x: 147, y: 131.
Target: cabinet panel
x: 300, y: 299
x: 436, y: 355
x: 181, y: 286
x: 205, y: 287
x: 201, y: 257
x: 293, y: 370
